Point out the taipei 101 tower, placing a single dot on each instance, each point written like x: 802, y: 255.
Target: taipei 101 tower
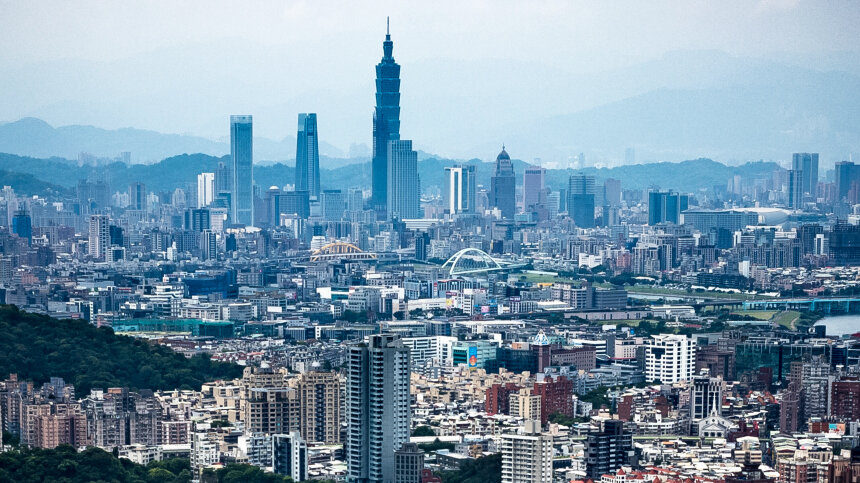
x: 386, y: 121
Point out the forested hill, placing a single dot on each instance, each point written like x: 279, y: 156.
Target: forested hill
x: 38, y: 347
x: 181, y: 171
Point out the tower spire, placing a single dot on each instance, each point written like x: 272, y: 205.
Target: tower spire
x: 387, y: 28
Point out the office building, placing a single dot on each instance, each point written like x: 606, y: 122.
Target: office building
x: 527, y: 455
x: 847, y: 181
x: 22, y: 225
x: 533, y: 187
x: 208, y: 245
x: 607, y: 449
x: 580, y: 200
x: 290, y: 456
x: 404, y: 187
x: 205, y: 189
x: 503, y: 186
x: 378, y: 410
x: 319, y: 394
x: 242, y: 159
x: 807, y: 164
x: 669, y: 358
x: 408, y: 463
x: 386, y: 121
x: 332, y: 204
x: 99, y: 238
x: 795, y: 189
x: 706, y: 396
x: 666, y: 207
x: 137, y: 196
x: 296, y: 203
x: 223, y: 179
x: 612, y: 192
x: 308, y: 155
x: 458, y: 189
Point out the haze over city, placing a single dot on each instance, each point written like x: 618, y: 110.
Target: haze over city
x: 550, y: 79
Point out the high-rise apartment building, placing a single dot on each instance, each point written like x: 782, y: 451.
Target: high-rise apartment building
x: 386, y: 121
x: 580, y: 200
x: 290, y: 456
x: 242, y: 159
x: 525, y: 404
x: 608, y: 448
x: 503, y: 186
x: 458, y: 189
x: 378, y: 410
x: 137, y: 196
x: 308, y: 155
x: 669, y: 358
x: 205, y: 189
x: 99, y: 237
x: 319, y: 394
x: 527, y: 455
x: 807, y: 164
x: 404, y: 187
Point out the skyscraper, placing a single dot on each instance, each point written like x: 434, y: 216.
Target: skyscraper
x: 386, y: 120
x: 137, y: 196
x: 241, y: 155
x: 533, y: 183
x: 404, y: 187
x: 205, y: 189
x: 377, y: 407
x: 795, y: 189
x: 580, y: 200
x: 308, y: 155
x: 807, y: 164
x: 669, y: 358
x: 458, y: 191
x: 666, y: 207
x: 503, y: 186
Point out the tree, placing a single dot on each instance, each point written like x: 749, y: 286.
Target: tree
x: 487, y: 469
x: 423, y: 431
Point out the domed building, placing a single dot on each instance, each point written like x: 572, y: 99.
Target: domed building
x: 503, y: 186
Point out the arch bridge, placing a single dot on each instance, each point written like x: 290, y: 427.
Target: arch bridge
x: 341, y: 251
x: 471, y: 260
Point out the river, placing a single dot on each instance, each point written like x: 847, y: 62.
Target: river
x: 841, y: 324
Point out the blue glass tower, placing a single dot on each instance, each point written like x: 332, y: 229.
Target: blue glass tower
x: 308, y: 155
x: 241, y: 153
x: 386, y: 120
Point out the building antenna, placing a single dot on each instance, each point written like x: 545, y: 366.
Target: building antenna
x: 387, y: 26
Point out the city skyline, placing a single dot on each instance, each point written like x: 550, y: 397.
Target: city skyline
x: 473, y: 55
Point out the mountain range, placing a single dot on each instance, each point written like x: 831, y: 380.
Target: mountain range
x: 38, y: 175
x: 683, y: 105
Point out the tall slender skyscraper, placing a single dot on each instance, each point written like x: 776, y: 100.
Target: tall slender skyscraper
x: 404, y: 187
x: 308, y: 155
x: 386, y: 120
x: 503, y: 186
x: 378, y: 414
x: 205, y: 189
x: 241, y: 154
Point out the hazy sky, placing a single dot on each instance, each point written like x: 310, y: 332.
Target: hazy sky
x: 183, y: 66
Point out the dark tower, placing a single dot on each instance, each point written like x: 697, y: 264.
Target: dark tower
x: 503, y: 186
x: 386, y: 121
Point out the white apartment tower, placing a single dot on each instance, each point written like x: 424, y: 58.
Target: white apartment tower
x: 670, y: 358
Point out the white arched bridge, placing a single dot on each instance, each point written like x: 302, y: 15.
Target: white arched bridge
x: 472, y: 260
x: 341, y: 251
